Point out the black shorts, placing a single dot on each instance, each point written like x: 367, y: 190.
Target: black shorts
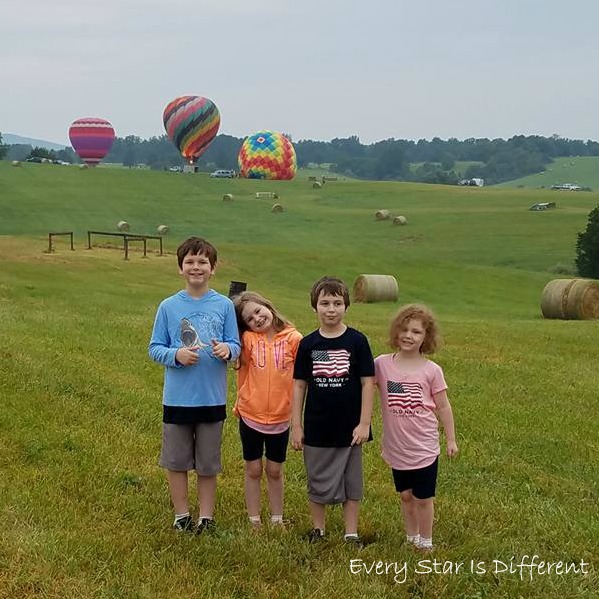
x: 422, y: 481
x: 254, y: 444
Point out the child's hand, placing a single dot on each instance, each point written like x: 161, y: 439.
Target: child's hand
x: 452, y: 448
x: 297, y: 437
x: 360, y: 434
x: 187, y: 356
x: 221, y: 350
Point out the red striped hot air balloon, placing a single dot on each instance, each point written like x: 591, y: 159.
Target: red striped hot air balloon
x: 91, y: 138
x: 191, y: 122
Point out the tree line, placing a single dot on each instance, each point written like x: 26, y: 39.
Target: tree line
x: 427, y: 161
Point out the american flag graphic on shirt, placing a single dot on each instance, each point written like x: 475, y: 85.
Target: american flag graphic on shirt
x: 330, y: 362
x: 404, y: 395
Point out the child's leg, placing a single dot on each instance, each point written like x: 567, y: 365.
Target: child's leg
x: 177, y: 484
x: 207, y: 495
x: 252, y: 479
x: 274, y: 479
x: 317, y: 511
x: 410, y: 514
x: 425, y: 511
x: 351, y: 511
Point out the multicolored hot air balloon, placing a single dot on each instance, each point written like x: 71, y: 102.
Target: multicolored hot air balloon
x: 91, y: 138
x: 267, y: 155
x: 191, y: 122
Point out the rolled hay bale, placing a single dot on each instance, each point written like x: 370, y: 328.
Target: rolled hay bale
x: 571, y: 299
x: 83, y: 166
x: 375, y: 288
x: 400, y: 220
x: 123, y: 225
x: 228, y: 197
x: 267, y: 194
x: 381, y: 214
x: 163, y: 229
x: 16, y: 163
x: 316, y: 185
x: 276, y: 208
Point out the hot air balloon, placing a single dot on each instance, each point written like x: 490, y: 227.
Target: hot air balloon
x: 91, y: 138
x: 191, y: 122
x: 267, y: 155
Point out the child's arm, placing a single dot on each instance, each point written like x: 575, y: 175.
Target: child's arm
x: 362, y: 431
x: 297, y: 408
x: 160, y: 349
x: 446, y: 417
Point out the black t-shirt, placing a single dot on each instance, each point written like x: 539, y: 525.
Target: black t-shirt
x: 332, y: 368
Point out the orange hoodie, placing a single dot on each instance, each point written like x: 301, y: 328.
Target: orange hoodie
x: 265, y: 376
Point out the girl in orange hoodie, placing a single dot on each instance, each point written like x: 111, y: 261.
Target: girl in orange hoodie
x: 269, y: 345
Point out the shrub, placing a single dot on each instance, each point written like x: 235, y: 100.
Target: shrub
x: 587, y: 247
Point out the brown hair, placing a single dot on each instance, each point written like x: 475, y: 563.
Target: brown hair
x: 329, y: 286
x: 432, y: 337
x: 194, y: 246
x: 279, y: 322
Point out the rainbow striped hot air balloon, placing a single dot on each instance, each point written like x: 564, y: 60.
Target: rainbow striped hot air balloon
x: 267, y: 155
x: 191, y: 122
x: 91, y: 138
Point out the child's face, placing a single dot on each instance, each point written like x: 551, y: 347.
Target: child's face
x: 196, y: 270
x: 410, y: 336
x: 330, y: 309
x: 257, y: 317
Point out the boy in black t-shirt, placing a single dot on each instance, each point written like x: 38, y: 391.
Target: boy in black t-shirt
x: 334, y: 365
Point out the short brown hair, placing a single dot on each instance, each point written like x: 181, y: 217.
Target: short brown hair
x: 279, y: 322
x: 329, y: 286
x: 194, y: 246
x: 432, y: 337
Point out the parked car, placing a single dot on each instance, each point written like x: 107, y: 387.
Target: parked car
x: 35, y: 159
x: 223, y: 174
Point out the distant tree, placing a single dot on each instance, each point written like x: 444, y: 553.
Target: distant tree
x: 42, y: 153
x: 67, y: 155
x: 3, y: 148
x: 587, y: 247
x: 18, y: 151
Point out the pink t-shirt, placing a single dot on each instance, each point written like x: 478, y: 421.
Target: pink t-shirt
x: 410, y: 425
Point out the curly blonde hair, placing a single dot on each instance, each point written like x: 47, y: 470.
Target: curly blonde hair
x: 432, y: 337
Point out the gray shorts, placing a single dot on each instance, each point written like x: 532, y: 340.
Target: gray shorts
x: 334, y: 473
x: 192, y: 447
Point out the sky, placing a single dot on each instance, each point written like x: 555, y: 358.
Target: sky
x: 316, y: 69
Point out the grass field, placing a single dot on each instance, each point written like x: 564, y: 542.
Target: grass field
x: 583, y: 170
x: 85, y: 508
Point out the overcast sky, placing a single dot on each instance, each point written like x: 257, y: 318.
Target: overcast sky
x: 316, y: 69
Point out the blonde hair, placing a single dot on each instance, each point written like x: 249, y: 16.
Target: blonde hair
x: 279, y: 322
x: 432, y: 336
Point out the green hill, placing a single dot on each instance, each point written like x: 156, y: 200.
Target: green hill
x: 85, y: 509
x: 583, y: 170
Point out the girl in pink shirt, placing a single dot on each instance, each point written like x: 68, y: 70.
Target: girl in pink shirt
x: 413, y: 396
x: 269, y: 345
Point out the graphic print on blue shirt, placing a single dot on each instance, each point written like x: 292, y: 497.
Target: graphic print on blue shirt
x: 330, y: 362
x: 404, y: 395
x: 198, y: 329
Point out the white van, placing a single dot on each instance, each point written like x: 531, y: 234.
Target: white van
x: 223, y: 174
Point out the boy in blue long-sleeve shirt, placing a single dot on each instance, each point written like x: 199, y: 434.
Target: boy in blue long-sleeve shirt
x: 195, y: 335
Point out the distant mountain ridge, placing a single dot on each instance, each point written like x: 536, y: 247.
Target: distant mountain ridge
x: 10, y: 139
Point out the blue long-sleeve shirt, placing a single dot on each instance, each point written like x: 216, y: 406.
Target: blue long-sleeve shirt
x: 184, y: 321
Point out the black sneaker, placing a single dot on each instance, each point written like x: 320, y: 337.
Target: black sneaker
x: 184, y: 524
x: 315, y: 535
x: 354, y: 541
x: 205, y: 525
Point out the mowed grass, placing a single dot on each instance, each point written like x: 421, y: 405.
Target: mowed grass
x: 583, y: 170
x: 85, y: 508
